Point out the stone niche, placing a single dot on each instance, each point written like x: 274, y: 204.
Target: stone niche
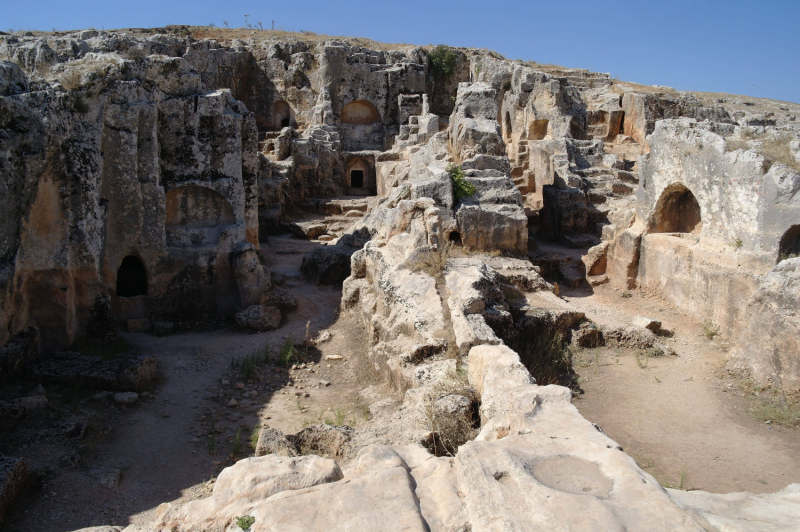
x: 282, y: 116
x: 196, y: 216
x: 361, y: 127
x: 677, y: 211
x: 360, y: 175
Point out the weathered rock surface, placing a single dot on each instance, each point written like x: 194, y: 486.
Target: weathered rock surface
x: 272, y: 441
x: 742, y: 512
x: 174, y: 157
x: 767, y: 350
x: 243, y: 489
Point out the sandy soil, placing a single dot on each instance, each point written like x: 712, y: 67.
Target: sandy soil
x: 678, y: 417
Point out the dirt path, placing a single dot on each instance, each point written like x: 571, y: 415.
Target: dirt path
x: 677, y: 417
x: 170, y: 443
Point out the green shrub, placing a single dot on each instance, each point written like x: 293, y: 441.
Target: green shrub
x: 245, y: 521
x: 443, y: 61
x: 461, y: 187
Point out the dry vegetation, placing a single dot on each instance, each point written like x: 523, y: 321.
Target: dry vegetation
x: 451, y: 424
x: 773, y: 147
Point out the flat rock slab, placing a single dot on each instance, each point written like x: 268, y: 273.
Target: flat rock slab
x: 383, y: 500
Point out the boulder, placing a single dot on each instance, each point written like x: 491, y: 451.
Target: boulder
x: 259, y: 318
x: 650, y: 324
x: 272, y: 441
x: 768, y: 348
x: 31, y: 403
x: 126, y: 398
x: 13, y: 479
x: 247, y: 486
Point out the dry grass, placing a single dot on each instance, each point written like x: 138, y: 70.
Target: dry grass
x: 773, y: 147
x: 770, y: 405
x: 450, y: 429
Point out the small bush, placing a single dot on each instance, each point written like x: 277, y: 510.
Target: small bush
x: 737, y: 243
x: 245, y: 521
x: 461, y: 187
x: 443, y: 61
x: 778, y: 411
x: 710, y: 329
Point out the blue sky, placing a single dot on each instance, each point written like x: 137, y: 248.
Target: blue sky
x: 738, y: 47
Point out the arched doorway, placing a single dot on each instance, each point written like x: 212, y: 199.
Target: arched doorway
x: 790, y: 243
x: 281, y: 115
x: 677, y: 211
x: 131, y: 278
x: 361, y: 127
x: 361, y: 113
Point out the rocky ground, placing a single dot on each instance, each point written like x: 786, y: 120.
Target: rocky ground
x: 173, y: 441
x: 675, y: 415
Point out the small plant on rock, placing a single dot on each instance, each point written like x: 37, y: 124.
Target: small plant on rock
x: 461, y: 187
x: 245, y: 521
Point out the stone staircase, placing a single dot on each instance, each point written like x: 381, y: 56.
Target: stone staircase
x: 325, y: 219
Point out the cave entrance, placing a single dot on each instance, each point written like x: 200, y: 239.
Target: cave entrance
x: 360, y: 177
x: 357, y: 178
x: 790, y: 244
x: 281, y: 115
x: 131, y: 278
x: 677, y: 211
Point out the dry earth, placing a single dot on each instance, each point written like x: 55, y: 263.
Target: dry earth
x: 679, y: 417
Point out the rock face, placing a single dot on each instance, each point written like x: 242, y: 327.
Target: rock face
x: 766, y: 350
x: 139, y: 174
